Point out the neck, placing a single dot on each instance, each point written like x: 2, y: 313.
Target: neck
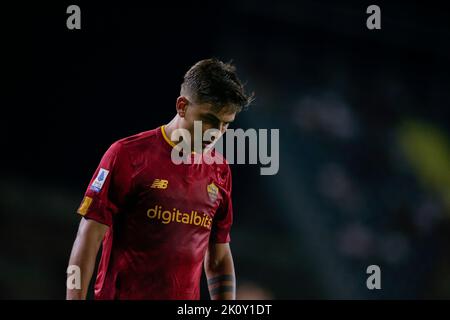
x: 175, y: 123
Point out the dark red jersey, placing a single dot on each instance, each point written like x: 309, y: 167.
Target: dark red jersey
x: 161, y: 217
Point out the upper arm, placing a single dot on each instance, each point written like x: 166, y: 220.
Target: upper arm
x: 223, y: 218
x: 108, y: 189
x: 91, y: 230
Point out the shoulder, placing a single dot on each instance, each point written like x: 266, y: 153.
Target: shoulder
x: 144, y: 137
x: 223, y: 170
x: 134, y: 144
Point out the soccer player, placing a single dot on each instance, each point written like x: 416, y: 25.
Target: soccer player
x: 161, y: 222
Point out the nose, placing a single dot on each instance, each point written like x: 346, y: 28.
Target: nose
x: 223, y: 127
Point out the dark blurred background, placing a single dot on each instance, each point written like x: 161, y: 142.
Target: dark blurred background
x: 364, y: 135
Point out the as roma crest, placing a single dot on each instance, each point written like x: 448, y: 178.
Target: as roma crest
x: 213, y: 191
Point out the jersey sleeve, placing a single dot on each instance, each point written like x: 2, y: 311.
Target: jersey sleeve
x: 109, y: 186
x: 223, y: 219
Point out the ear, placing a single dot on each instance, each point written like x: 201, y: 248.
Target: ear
x: 181, y: 105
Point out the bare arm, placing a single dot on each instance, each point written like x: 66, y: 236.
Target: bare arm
x: 84, y: 253
x: 219, y: 269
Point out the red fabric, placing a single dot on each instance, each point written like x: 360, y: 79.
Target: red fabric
x: 159, y: 231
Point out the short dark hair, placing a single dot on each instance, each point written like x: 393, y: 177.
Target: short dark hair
x: 215, y: 82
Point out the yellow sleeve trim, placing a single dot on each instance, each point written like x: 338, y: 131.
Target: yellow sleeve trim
x: 85, y: 205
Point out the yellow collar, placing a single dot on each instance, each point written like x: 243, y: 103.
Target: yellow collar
x: 163, y: 131
x: 170, y: 142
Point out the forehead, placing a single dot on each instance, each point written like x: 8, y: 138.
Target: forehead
x: 225, y: 114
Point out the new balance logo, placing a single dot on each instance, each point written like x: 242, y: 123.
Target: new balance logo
x: 159, y: 184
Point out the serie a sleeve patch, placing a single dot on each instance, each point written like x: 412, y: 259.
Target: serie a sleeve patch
x: 99, y: 180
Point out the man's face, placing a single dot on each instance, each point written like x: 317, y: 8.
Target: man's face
x: 210, y: 118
